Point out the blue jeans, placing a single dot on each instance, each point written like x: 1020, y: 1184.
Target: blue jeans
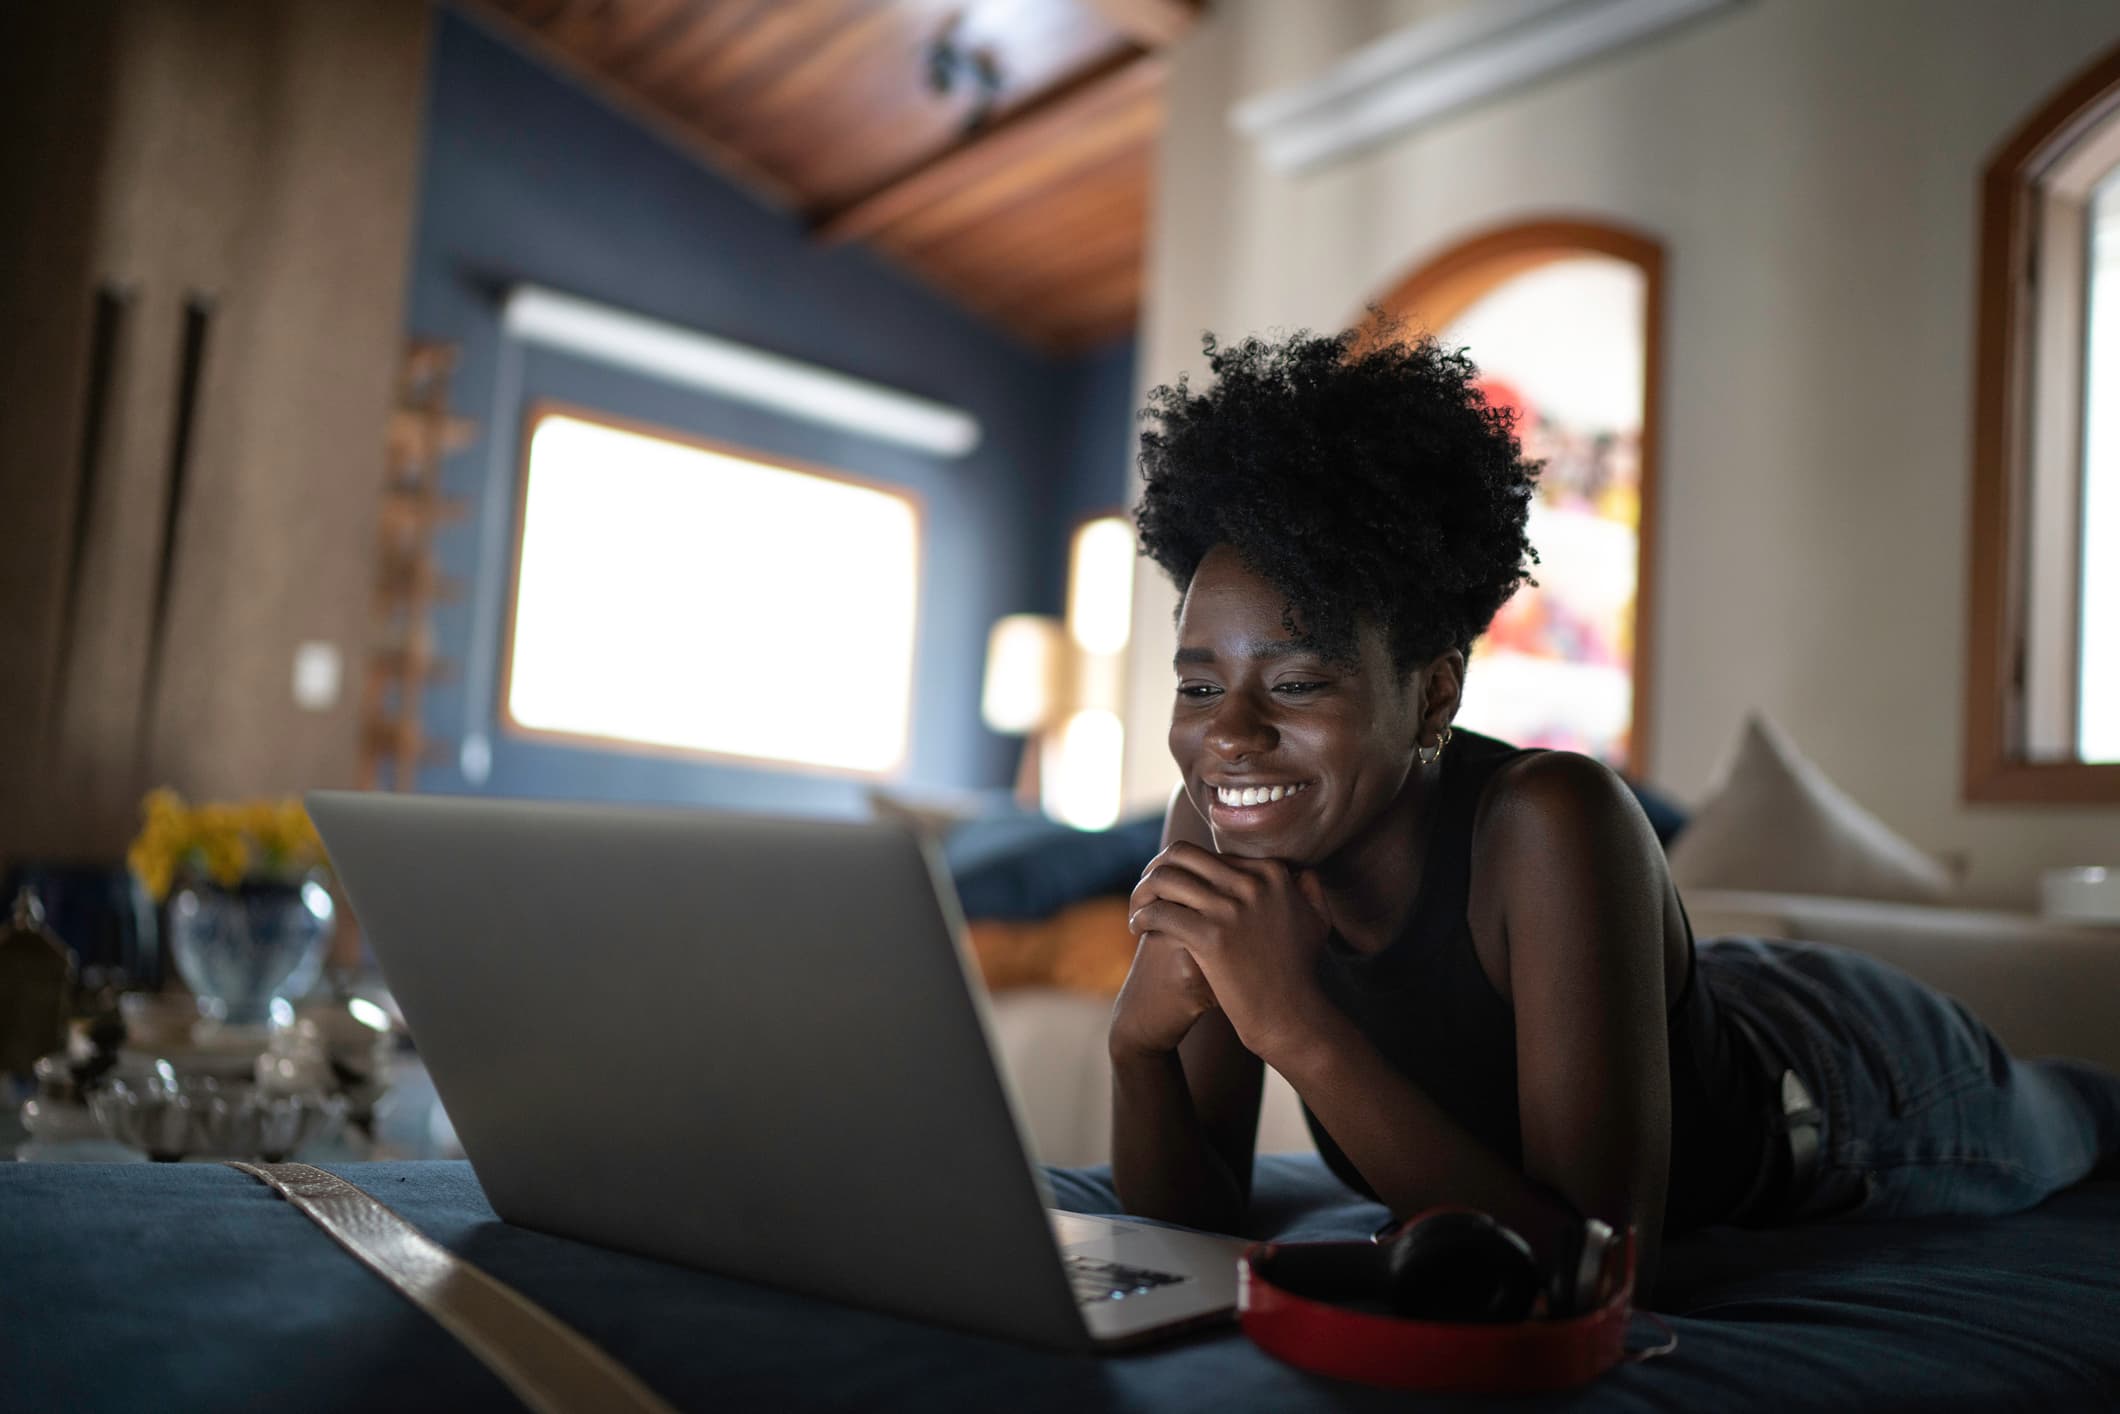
x: 1925, y: 1112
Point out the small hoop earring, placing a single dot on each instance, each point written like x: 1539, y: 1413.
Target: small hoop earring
x: 1428, y: 754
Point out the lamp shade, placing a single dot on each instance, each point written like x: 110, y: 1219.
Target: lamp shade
x: 1026, y: 674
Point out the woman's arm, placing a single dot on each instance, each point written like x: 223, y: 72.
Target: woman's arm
x: 1185, y: 1120
x: 1413, y: 1154
x: 1583, y: 886
x: 1563, y: 848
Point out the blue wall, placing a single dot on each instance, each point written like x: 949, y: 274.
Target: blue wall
x: 525, y: 178
x: 1104, y: 437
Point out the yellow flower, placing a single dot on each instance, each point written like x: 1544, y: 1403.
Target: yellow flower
x: 225, y: 842
x: 153, y: 868
x: 296, y: 833
x: 260, y: 821
x: 226, y: 856
x: 217, y: 818
x: 162, y: 808
x: 165, y: 837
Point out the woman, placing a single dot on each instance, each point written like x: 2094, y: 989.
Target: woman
x: 1469, y: 960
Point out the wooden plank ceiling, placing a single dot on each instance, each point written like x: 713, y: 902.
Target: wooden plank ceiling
x: 1021, y: 189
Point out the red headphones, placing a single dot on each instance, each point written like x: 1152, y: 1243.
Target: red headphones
x: 1448, y: 1300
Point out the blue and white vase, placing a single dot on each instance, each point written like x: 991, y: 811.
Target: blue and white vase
x: 238, y: 948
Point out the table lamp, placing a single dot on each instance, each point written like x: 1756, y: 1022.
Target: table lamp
x: 1027, y: 691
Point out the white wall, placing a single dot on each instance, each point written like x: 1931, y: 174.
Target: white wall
x: 1811, y: 166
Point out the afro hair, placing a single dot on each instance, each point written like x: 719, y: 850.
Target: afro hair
x: 1362, y: 474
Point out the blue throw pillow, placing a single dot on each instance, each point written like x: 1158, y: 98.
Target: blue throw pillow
x: 1666, y: 816
x: 1020, y: 868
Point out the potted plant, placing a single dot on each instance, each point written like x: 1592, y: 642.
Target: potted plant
x: 249, y: 912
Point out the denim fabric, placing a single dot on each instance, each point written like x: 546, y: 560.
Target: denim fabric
x: 1925, y: 1113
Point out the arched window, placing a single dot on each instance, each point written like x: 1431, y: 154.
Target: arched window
x: 1562, y: 319
x: 2043, y: 655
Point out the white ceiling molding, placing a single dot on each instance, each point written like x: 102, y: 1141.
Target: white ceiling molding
x: 676, y: 354
x: 1439, y: 66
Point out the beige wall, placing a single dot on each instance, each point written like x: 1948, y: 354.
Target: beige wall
x: 1811, y: 166
x: 259, y: 155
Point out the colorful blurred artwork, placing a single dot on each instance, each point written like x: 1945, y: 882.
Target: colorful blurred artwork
x: 1562, y: 345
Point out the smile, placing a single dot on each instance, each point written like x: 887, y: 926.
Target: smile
x: 1258, y: 795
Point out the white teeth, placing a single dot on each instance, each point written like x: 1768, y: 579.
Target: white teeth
x: 1257, y: 795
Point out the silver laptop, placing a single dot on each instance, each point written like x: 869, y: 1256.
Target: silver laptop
x: 753, y: 1045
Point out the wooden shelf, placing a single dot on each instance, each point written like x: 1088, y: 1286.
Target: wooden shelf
x: 417, y: 436
x: 394, y: 737
x: 426, y: 362
x: 408, y: 510
x: 408, y: 584
x: 403, y: 580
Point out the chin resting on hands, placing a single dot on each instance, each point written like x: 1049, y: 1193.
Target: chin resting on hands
x: 1252, y: 929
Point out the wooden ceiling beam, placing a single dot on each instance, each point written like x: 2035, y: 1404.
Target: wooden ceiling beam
x: 625, y: 99
x: 676, y: 45
x: 1077, y: 336
x: 1055, y: 263
x: 751, y: 56
x: 593, y: 28
x: 1079, y: 327
x: 827, y: 65
x: 1082, y: 321
x: 640, y: 25
x: 1152, y: 24
x: 1078, y: 124
x: 1004, y: 195
x: 1122, y: 177
x: 1114, y: 190
x: 1047, y: 316
x: 1095, y: 289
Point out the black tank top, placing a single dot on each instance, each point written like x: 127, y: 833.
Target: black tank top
x: 1428, y: 1006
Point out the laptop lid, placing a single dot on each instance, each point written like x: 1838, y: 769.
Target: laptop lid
x: 745, y: 1043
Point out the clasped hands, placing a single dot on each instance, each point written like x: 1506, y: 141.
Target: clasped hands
x: 1223, y: 931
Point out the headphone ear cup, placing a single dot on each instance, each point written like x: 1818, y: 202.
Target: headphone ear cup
x: 1344, y: 1272
x: 1563, y: 1284
x: 1456, y: 1265
x: 1578, y: 1268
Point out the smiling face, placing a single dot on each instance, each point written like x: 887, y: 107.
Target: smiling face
x: 1289, y: 754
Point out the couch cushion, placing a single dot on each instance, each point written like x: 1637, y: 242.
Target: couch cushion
x: 1017, y: 871
x: 1084, y: 947
x: 2046, y: 988
x: 1777, y: 823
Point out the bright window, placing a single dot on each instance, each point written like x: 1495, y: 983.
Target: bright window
x: 679, y: 596
x: 1560, y: 318
x: 2043, y: 653
x: 2073, y: 444
x: 2098, y: 553
x: 1562, y: 345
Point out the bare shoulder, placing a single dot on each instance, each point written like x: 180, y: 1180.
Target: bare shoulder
x: 1549, y: 801
x: 1571, y: 863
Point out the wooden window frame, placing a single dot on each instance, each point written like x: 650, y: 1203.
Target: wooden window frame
x: 1450, y: 283
x: 1997, y: 767
x: 542, y: 409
